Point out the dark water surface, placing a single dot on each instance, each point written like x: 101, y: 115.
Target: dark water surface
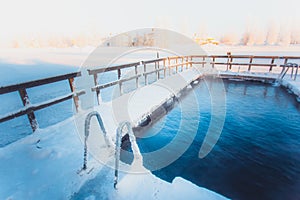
x: 258, y: 153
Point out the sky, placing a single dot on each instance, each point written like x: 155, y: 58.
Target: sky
x: 213, y: 17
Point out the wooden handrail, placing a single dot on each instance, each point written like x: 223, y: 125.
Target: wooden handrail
x: 30, y: 84
x: 176, y: 61
x: 30, y: 108
x: 112, y: 68
x: 160, y: 64
x: 34, y: 107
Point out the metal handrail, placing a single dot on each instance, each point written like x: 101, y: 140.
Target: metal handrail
x: 134, y: 146
x: 87, y: 133
x: 285, y: 69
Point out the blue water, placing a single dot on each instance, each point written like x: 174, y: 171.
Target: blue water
x: 258, y: 153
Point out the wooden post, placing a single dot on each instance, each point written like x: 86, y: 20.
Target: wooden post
x: 164, y: 65
x: 97, y: 90
x: 31, y: 117
x: 297, y: 67
x: 203, y: 60
x: 272, y: 62
x: 187, y: 62
x: 228, y: 61
x: 231, y: 59
x: 120, y: 83
x: 75, y: 97
x: 169, y: 66
x: 156, y: 72
x: 146, y: 81
x: 137, y: 78
x: 250, y: 62
x: 213, y: 62
x: 176, y: 65
x: 158, y: 75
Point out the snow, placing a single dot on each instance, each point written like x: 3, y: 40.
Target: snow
x: 45, y: 165
x: 141, y: 102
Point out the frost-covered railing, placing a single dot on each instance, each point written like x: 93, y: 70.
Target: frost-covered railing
x: 29, y: 108
x: 162, y: 67
x: 252, y: 63
x: 167, y: 66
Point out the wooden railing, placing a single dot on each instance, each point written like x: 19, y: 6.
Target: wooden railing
x: 161, y: 67
x: 184, y: 62
x: 215, y: 60
x: 29, y: 108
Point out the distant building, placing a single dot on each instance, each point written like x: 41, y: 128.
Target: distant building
x: 209, y: 40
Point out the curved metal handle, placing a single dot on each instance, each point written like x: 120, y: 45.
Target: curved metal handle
x: 134, y: 146
x: 87, y: 133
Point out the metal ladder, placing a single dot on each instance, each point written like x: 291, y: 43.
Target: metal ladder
x: 87, y: 133
x: 134, y: 146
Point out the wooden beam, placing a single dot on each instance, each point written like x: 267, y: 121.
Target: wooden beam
x: 30, y: 115
x: 31, y: 108
x: 75, y: 98
x: 111, y: 68
x: 16, y: 87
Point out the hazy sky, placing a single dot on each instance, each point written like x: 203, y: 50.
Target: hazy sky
x: 214, y: 17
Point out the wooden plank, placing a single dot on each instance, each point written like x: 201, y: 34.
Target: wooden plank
x: 246, y: 77
x: 16, y: 87
x: 213, y: 62
x: 130, y: 78
x: 153, y: 61
x: 145, y: 75
x: 200, y: 62
x: 99, y: 87
x: 111, y: 68
x: 289, y: 57
x: 198, y: 56
x: 246, y: 64
x: 32, y: 108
